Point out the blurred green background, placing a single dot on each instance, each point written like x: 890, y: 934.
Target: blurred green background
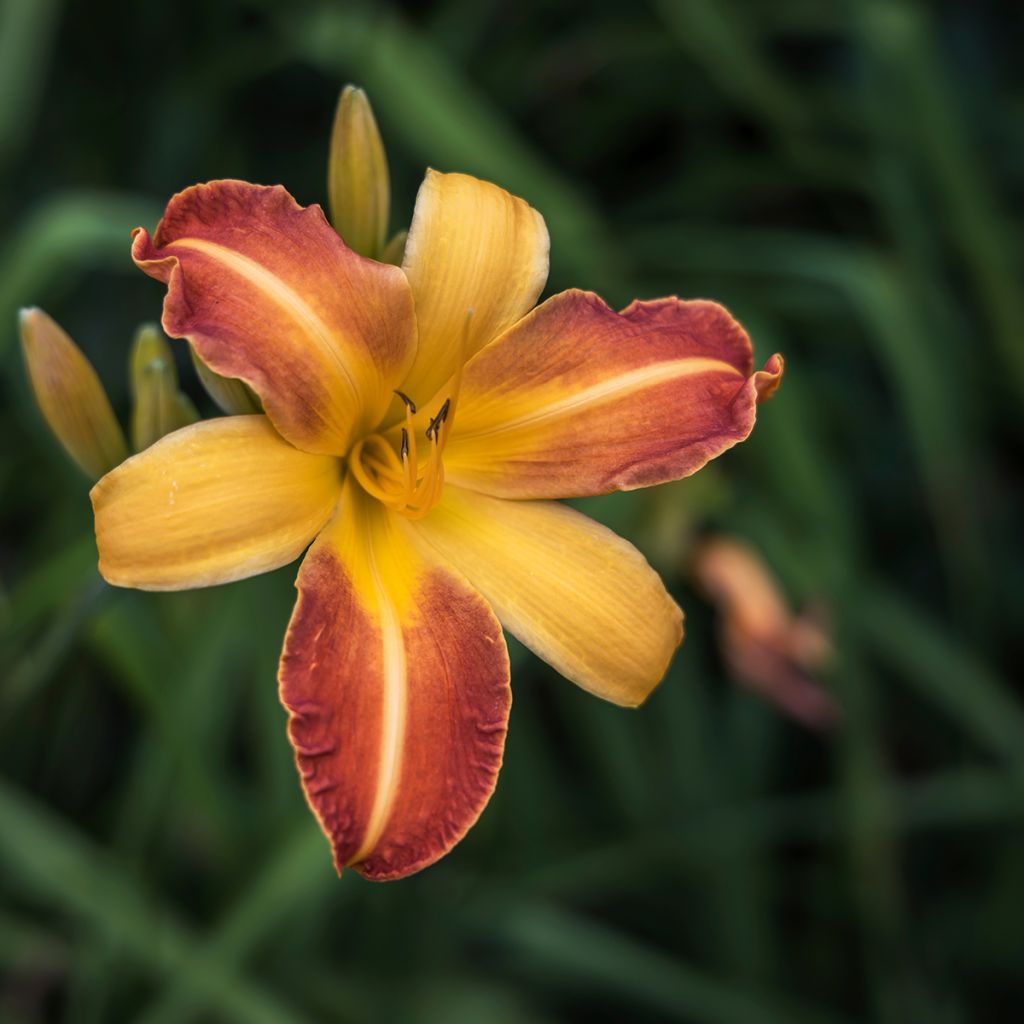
x: 847, y: 177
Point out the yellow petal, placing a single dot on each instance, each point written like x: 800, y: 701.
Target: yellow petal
x: 70, y: 395
x: 357, y: 175
x: 577, y: 595
x: 214, y: 502
x: 472, y: 248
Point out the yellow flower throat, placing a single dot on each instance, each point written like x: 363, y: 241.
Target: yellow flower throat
x: 404, y: 480
x: 397, y: 478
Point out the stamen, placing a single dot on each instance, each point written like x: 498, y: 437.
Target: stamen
x: 409, y: 439
x: 453, y: 396
x: 424, y: 497
x: 395, y: 477
x: 383, y: 454
x: 422, y: 490
x: 368, y: 484
x: 442, y: 415
x: 408, y: 465
x: 409, y: 403
x: 436, y: 486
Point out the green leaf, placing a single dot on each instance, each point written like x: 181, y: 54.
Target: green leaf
x: 61, y: 869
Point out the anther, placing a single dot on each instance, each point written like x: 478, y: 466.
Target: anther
x: 435, y: 423
x: 409, y: 403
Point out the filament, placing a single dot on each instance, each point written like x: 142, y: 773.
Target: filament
x: 396, y: 478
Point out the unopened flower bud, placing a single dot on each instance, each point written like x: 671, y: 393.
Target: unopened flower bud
x: 234, y: 397
x: 394, y: 251
x: 160, y: 407
x: 358, y: 186
x: 70, y: 395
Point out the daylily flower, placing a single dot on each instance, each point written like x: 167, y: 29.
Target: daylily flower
x: 417, y: 422
x: 765, y: 646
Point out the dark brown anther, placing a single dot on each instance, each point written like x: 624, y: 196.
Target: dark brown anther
x: 405, y: 444
x: 435, y: 423
x: 409, y: 403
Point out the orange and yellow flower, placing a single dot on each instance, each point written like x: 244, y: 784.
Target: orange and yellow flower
x: 767, y: 647
x: 418, y: 420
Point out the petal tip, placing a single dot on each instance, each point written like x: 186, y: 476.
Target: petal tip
x: 257, y: 285
x: 679, y: 634
x: 767, y: 381
x: 398, y: 763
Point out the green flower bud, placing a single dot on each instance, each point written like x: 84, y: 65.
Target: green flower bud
x: 70, y: 395
x: 358, y: 187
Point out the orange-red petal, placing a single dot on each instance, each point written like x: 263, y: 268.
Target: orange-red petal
x: 267, y: 293
x: 577, y: 399
x: 395, y: 676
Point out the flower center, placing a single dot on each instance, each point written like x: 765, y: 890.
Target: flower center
x: 408, y: 480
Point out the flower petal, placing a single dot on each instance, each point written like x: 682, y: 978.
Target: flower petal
x: 472, y: 247
x: 577, y: 399
x: 268, y: 293
x: 767, y: 648
x: 217, y: 501
x: 576, y: 594
x: 395, y: 675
